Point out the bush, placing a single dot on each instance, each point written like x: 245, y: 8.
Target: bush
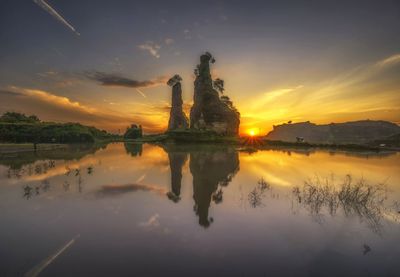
x: 133, y: 132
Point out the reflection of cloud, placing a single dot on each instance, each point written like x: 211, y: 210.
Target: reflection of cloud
x: 141, y: 178
x: 111, y: 190
x: 46, y: 262
x: 151, y: 47
x: 112, y: 79
x: 152, y: 222
x: 55, y: 14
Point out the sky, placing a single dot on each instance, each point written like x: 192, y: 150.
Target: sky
x: 105, y: 63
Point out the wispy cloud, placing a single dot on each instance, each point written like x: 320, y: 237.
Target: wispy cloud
x: 151, y: 47
x: 187, y: 34
x: 394, y: 59
x: 169, y: 41
x: 272, y: 95
x: 55, y: 14
x: 112, y: 79
x: 51, y: 98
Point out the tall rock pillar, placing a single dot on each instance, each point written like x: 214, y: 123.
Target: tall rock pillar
x: 177, y: 118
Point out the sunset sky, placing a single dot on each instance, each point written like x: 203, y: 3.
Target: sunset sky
x: 105, y: 63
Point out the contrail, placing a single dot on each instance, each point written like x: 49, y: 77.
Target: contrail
x: 141, y: 93
x: 55, y: 14
x: 46, y: 262
x: 141, y: 178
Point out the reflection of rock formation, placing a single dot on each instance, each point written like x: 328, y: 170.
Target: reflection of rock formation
x: 177, y: 118
x: 208, y: 111
x: 135, y: 149
x: 211, y: 169
x: 176, y: 162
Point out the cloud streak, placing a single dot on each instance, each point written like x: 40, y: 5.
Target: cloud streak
x: 56, y: 15
x: 111, y: 79
x: 394, y: 59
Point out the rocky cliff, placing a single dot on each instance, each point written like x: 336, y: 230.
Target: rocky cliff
x: 357, y: 132
x: 177, y: 118
x: 209, y: 112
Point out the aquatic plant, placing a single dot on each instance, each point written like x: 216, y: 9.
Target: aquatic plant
x: 352, y: 198
x: 257, y: 194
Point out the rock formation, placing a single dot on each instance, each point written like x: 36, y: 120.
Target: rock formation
x: 355, y: 132
x: 209, y: 111
x: 177, y: 118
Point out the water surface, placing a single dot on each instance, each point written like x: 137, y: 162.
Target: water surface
x: 145, y: 210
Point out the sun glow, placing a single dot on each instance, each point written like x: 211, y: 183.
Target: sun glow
x: 253, y: 132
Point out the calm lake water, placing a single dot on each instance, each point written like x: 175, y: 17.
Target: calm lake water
x: 144, y: 210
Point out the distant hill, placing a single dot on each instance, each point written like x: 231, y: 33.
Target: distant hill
x: 391, y: 141
x: 19, y: 128
x: 355, y: 132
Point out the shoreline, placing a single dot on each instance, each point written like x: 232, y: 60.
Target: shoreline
x: 11, y: 148
x: 240, y: 142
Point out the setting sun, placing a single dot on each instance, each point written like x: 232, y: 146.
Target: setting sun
x: 253, y: 132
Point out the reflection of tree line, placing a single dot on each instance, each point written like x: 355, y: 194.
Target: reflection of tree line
x: 17, y: 161
x: 212, y: 167
x: 45, y: 185
x: 365, y: 154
